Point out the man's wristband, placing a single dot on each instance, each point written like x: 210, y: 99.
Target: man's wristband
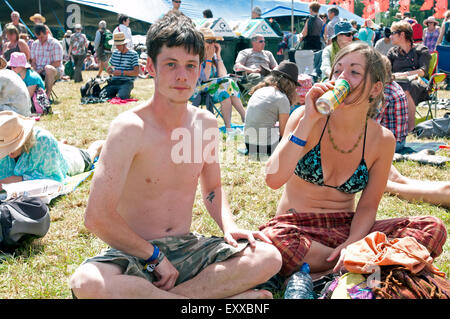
x: 208, y: 61
x: 294, y: 139
x: 154, y: 256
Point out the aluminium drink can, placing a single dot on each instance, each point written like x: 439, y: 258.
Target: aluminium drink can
x: 331, y: 99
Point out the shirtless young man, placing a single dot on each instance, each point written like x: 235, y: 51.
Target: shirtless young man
x: 141, y: 199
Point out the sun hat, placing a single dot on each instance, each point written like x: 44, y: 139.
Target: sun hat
x: 14, y: 131
x: 431, y: 20
x: 18, y: 60
x: 3, y: 63
x: 68, y: 34
x: 37, y: 16
x: 342, y: 27
x: 286, y: 69
x: 209, y: 34
x: 118, y: 39
x: 78, y: 27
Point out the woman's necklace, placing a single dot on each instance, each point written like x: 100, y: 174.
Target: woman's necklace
x: 354, y: 146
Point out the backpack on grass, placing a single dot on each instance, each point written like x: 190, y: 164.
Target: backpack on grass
x: 22, y: 219
x: 92, y: 88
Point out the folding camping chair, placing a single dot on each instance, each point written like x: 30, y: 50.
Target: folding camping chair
x: 203, y: 98
x: 434, y: 81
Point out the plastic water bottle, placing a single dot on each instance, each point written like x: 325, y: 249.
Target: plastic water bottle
x: 300, y: 286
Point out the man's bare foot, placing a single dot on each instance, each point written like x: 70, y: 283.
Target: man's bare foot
x: 253, y: 294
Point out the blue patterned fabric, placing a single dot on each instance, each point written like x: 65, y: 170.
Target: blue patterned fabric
x: 44, y: 160
x: 309, y: 168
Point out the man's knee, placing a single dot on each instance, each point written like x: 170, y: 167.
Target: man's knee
x: 267, y: 256
x: 88, y: 282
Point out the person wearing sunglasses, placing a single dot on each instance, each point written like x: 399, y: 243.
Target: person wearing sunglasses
x: 252, y: 60
x: 176, y: 4
x: 409, y: 62
x: 214, y: 80
x: 343, y: 36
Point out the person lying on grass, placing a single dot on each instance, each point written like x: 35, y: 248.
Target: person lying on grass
x: 143, y: 192
x: 28, y: 152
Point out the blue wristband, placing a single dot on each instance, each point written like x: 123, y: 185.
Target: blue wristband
x: 294, y: 139
x: 154, y: 256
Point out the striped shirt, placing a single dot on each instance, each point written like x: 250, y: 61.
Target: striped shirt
x: 395, y: 114
x: 124, y: 61
x: 47, y: 53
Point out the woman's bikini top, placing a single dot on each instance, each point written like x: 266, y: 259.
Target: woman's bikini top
x: 309, y: 168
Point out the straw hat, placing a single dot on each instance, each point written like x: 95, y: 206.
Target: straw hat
x: 286, y: 69
x: 398, y: 15
x: 431, y: 20
x: 118, y: 39
x: 3, y: 63
x: 68, y: 34
x: 209, y: 34
x: 19, y: 60
x: 38, y: 16
x: 14, y: 131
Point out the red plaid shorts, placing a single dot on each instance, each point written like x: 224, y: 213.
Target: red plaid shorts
x: 293, y: 233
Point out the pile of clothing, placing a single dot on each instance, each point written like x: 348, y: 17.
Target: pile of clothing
x: 380, y: 268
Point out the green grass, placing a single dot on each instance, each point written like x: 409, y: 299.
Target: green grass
x: 42, y: 268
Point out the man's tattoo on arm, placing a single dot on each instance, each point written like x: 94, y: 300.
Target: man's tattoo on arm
x: 211, y: 196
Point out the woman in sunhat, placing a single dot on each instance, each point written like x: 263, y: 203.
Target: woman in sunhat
x: 343, y: 36
x: 18, y: 63
x: 270, y: 102
x: 431, y: 33
x: 214, y: 80
x: 28, y: 152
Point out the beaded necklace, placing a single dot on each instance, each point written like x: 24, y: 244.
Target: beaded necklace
x: 354, y: 146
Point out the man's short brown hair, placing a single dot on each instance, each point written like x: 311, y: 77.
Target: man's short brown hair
x: 314, y: 6
x: 174, y: 29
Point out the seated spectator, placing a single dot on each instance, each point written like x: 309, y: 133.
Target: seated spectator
x: 322, y: 169
x: 213, y: 79
x: 14, y: 43
x: 14, y: 95
x: 124, y: 68
x: 270, y: 103
x: 431, y: 33
x: 32, y: 80
x: 394, y: 115
x: 384, y: 44
x: 250, y: 61
x: 28, y: 152
x: 89, y: 62
x: 409, y: 61
x: 46, y: 57
x: 342, y: 37
x: 102, y: 50
x: 77, y: 50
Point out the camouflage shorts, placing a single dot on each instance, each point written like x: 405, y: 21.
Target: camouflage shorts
x: 189, y: 254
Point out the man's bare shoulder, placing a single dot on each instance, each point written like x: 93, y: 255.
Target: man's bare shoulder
x: 130, y: 122
x: 199, y: 114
